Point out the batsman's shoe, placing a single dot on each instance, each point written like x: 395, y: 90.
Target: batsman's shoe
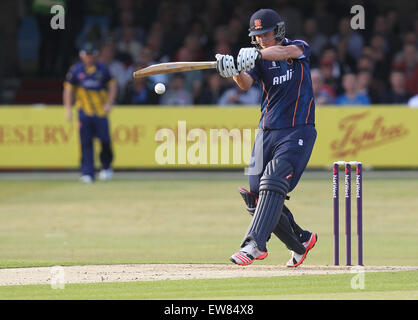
x: 248, y: 254
x: 105, y: 174
x: 86, y: 179
x: 296, y: 259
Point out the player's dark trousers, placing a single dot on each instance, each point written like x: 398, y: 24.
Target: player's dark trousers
x: 94, y: 127
x: 292, y: 144
x: 289, y: 232
x: 285, y: 154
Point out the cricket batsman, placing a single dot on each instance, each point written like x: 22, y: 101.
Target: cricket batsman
x: 284, y: 144
x: 95, y: 91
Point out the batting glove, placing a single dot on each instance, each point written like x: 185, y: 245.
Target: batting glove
x: 247, y: 57
x: 226, y: 66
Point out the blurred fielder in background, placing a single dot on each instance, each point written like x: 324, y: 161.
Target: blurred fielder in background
x: 287, y: 134
x: 95, y: 91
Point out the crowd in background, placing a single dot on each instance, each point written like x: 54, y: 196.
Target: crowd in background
x: 377, y: 65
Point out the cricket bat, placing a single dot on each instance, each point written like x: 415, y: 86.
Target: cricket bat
x: 171, y: 67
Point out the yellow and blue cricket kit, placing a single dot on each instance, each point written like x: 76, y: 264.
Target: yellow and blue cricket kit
x: 90, y: 87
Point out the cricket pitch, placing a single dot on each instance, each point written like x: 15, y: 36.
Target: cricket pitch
x: 153, y: 272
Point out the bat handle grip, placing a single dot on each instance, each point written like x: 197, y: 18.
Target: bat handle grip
x: 259, y: 55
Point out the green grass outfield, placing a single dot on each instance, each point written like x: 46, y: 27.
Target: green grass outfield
x: 180, y: 220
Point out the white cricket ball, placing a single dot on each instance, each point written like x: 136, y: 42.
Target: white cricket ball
x: 159, y: 88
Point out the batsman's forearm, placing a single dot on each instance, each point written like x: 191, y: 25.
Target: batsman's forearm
x: 244, y: 80
x: 279, y: 52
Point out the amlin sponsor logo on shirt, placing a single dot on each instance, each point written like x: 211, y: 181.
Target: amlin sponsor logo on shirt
x: 283, y: 78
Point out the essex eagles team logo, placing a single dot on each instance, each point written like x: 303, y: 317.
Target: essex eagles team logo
x: 257, y: 24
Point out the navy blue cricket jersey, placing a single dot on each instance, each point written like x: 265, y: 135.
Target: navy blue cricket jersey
x: 287, y: 98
